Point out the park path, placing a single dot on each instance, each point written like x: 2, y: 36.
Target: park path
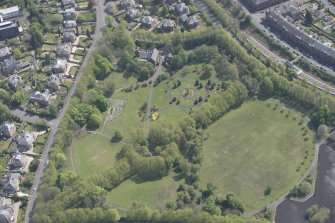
x: 153, y: 80
x: 312, y: 171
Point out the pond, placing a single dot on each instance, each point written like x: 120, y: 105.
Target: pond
x: 294, y: 212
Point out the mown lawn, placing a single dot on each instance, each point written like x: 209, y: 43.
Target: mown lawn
x: 245, y: 153
x: 93, y: 153
x: 154, y: 194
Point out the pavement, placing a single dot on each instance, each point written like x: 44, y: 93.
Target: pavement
x: 101, y: 15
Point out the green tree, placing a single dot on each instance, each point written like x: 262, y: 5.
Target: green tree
x: 94, y: 122
x: 102, y: 67
x: 18, y: 97
x: 117, y: 136
x: 267, y: 87
x: 322, y: 132
x: 309, y: 18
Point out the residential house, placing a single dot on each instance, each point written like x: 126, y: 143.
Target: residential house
x: 300, y: 39
x: 9, y: 29
x: 5, y: 53
x: 55, y: 81
x: 256, y: 5
x: 8, y: 129
x: 17, y: 162
x: 319, y: 14
x: 25, y: 141
x: 143, y: 55
x: 11, y: 184
x: 69, y: 37
x: 126, y: 4
x: 168, y: 26
x: 9, y: 66
x: 192, y: 22
x: 147, y: 22
x: 154, y: 57
x: 291, y: 10
x: 132, y: 14
x: 327, y: 20
x: 68, y: 3
x: 69, y: 14
x: 59, y: 66
x: 6, y: 214
x: 64, y: 50
x: 15, y: 81
x: 147, y: 55
x: 70, y: 24
x: 183, y: 18
x: 10, y: 13
x: 42, y: 98
x: 181, y: 9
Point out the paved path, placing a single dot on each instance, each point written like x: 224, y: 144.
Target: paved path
x: 43, y: 162
x: 153, y: 79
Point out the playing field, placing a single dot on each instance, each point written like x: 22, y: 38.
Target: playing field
x: 154, y: 194
x: 257, y: 146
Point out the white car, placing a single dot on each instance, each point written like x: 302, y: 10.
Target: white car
x: 34, y: 188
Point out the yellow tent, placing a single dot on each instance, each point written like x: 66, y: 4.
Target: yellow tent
x: 154, y: 116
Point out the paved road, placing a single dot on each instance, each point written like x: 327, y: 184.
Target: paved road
x: 101, y: 15
x: 257, y: 20
x: 310, y: 79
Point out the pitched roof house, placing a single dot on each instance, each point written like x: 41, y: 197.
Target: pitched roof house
x: 68, y: 3
x: 59, y: 66
x: 70, y: 24
x: 8, y: 129
x: 126, y: 4
x: 42, y: 98
x: 69, y: 37
x: 15, y: 81
x: 9, y: 66
x: 154, y: 56
x: 181, y: 9
x: 54, y: 82
x: 147, y: 22
x: 132, y: 14
x: 17, y: 162
x: 11, y: 184
x: 6, y: 214
x: 5, y: 53
x: 64, y: 50
x: 69, y: 14
x: 192, y: 22
x: 26, y: 140
x: 168, y: 26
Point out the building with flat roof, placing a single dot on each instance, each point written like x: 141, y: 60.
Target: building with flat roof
x: 256, y: 5
x: 10, y: 12
x: 300, y: 39
x: 9, y: 29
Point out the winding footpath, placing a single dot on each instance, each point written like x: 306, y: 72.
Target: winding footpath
x: 101, y: 15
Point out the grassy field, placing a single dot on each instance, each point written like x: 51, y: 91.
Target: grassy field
x: 93, y: 153
x: 154, y: 194
x: 245, y: 153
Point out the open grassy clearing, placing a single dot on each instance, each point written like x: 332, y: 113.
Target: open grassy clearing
x: 245, y: 153
x: 93, y: 153
x: 154, y: 194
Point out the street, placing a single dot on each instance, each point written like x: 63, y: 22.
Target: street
x: 55, y: 123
